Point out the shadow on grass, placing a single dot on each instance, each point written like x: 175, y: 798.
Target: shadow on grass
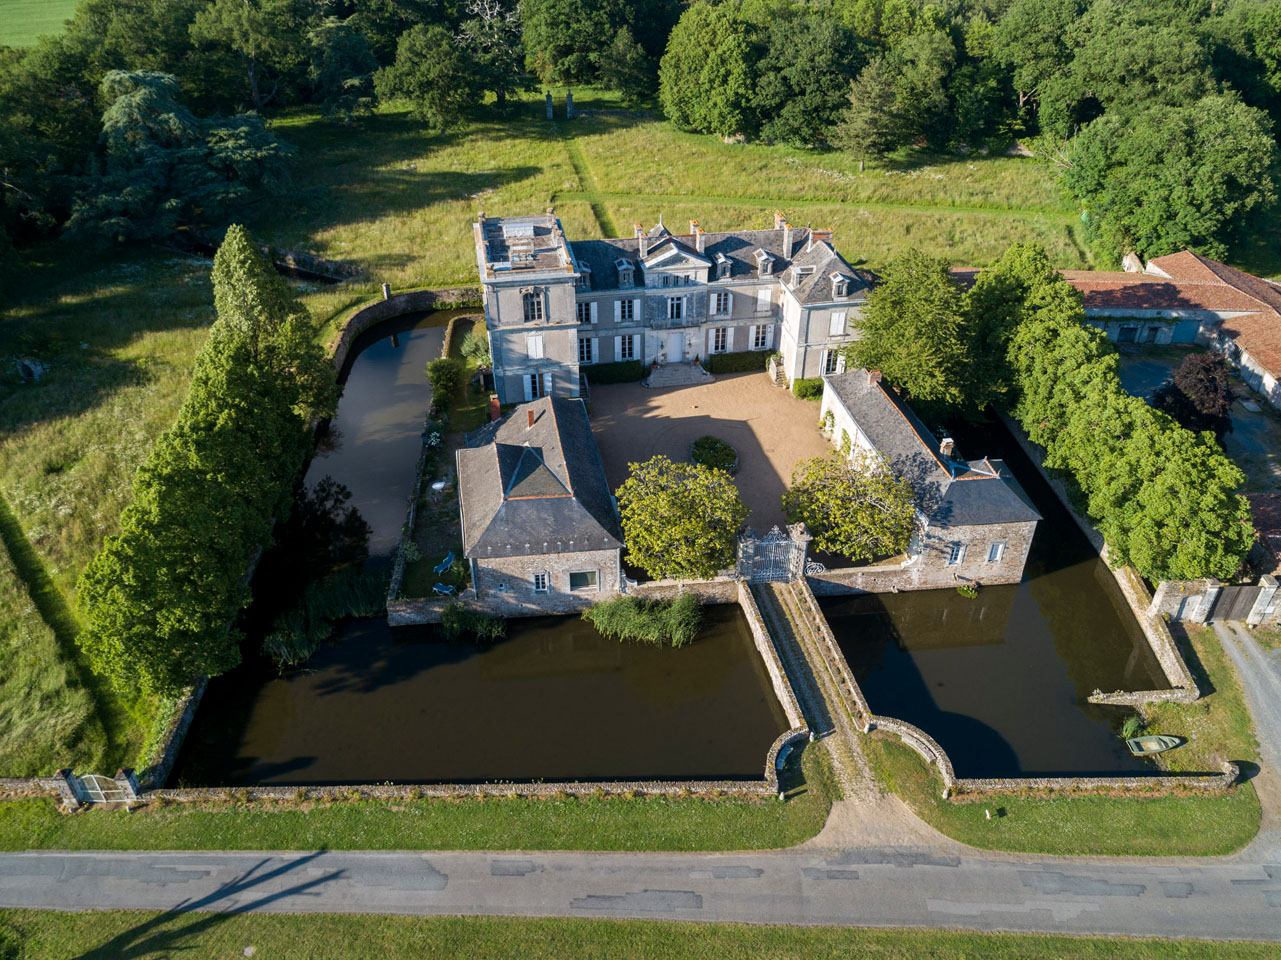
x: 174, y: 930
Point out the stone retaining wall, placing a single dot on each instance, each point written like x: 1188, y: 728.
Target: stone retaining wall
x: 413, y: 301
x: 1183, y: 688
x: 13, y: 787
x: 773, y: 665
x: 1164, y: 783
x: 724, y: 589
x: 159, y: 768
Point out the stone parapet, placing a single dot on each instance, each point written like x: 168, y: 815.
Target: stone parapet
x: 773, y: 664
x: 1164, y: 783
x: 393, y: 305
x: 161, y: 762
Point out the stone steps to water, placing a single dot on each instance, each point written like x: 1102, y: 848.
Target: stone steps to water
x: 818, y: 693
x: 676, y: 375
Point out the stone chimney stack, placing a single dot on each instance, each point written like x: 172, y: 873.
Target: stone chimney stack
x: 946, y: 446
x: 874, y: 376
x: 693, y: 226
x: 530, y: 414
x: 638, y: 231
x: 644, y: 246
x: 778, y: 220
x: 787, y: 240
x: 700, y: 238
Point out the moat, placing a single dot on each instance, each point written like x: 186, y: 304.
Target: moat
x: 552, y: 701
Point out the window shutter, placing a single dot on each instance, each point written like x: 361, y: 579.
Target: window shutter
x: 618, y: 310
x: 593, y: 309
x: 751, y: 337
x: 684, y: 307
x: 729, y: 303
x: 534, y: 347
x: 840, y: 362
x: 711, y: 339
x: 529, y: 386
x: 711, y: 303
x: 636, y: 310
x: 729, y: 339
x: 618, y: 349
x: 595, y: 349
x: 763, y: 299
x: 769, y: 336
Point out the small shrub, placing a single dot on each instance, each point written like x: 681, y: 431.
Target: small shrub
x: 445, y: 376
x: 459, y: 623
x: 808, y: 388
x: 675, y: 622
x: 714, y: 452
x: 350, y: 592
x: 1133, y: 727
x: 625, y: 371
x: 476, y: 346
x: 409, y: 550
x: 968, y: 590
x: 828, y: 423
x: 741, y: 362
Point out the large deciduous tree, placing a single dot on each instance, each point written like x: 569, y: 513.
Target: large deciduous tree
x: 165, y: 168
x: 1199, y: 395
x: 707, y: 75
x: 680, y: 520
x: 1173, y: 177
x: 342, y: 69
x: 440, y: 79
x: 853, y: 506
x: 913, y: 331
x: 161, y: 596
x: 268, y: 37
x: 491, y: 34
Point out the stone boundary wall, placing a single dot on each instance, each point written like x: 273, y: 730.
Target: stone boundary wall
x: 13, y: 787
x: 393, y: 305
x: 1160, y: 784
x: 773, y: 664
x: 1193, y: 600
x: 157, y: 771
x: 722, y: 589
x: 1183, y: 688
x: 406, y: 531
x: 785, y: 741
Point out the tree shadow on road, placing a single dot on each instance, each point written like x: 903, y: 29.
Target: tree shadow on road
x: 176, y: 929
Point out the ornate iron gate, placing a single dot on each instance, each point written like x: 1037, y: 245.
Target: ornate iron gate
x: 98, y: 789
x: 775, y: 556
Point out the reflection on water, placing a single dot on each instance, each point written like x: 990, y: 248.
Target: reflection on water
x: 554, y: 701
x: 1001, y: 681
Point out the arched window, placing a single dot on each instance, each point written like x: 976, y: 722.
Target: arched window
x: 533, y: 306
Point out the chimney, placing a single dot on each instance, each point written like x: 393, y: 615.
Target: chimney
x: 530, y: 414
x: 700, y: 238
x: 693, y: 226
x: 946, y: 445
x: 787, y: 240
x: 637, y: 230
x: 644, y: 245
x: 873, y: 376
x: 778, y: 220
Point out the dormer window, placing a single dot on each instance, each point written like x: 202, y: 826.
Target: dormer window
x: 584, y: 277
x: 764, y: 263
x: 840, y: 285
x: 722, y: 266
x: 626, y: 273
x: 799, y: 273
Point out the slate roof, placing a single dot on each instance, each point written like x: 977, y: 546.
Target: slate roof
x: 525, y: 490
x: 949, y: 491
x: 739, y: 247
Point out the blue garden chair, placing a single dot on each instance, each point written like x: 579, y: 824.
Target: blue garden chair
x: 444, y: 564
x: 444, y: 590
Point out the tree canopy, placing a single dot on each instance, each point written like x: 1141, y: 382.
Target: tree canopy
x: 680, y: 520
x: 853, y: 505
x: 706, y: 78
x: 1199, y: 394
x: 161, y: 596
x: 914, y: 331
x: 440, y: 79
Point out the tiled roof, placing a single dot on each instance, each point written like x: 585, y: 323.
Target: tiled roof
x: 953, y: 492
x: 1139, y: 291
x: 536, y: 489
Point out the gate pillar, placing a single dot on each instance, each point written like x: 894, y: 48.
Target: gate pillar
x: 1267, y: 591
x: 65, y: 781
x: 1212, y: 590
x: 127, y: 783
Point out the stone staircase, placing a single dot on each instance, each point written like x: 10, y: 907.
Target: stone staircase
x: 817, y: 690
x: 677, y: 375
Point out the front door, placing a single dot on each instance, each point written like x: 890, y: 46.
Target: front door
x: 675, y: 347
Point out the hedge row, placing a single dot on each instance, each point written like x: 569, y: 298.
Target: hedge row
x: 625, y: 371
x: 808, y: 388
x: 740, y: 362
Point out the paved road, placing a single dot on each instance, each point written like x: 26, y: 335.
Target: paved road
x: 1234, y: 897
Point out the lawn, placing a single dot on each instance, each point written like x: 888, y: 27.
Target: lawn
x: 112, y: 934
x: 23, y: 21
x: 495, y: 823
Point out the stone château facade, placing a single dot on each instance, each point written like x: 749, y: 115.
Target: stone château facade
x: 555, y: 308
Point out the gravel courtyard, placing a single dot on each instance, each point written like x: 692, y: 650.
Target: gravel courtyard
x: 769, y: 427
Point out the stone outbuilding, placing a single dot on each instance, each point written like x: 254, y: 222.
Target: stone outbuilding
x: 540, y: 527
x: 974, y: 522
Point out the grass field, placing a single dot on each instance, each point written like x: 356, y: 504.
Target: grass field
x: 205, y: 936
x: 22, y: 22
x: 1218, y: 727
x: 495, y: 823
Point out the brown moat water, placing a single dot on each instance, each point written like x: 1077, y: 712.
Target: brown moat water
x: 1001, y: 682
x: 553, y: 701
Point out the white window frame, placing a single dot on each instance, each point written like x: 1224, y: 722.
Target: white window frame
x: 836, y: 323
x: 624, y: 311
x: 535, y: 385
x: 583, y: 310
x: 546, y: 581
x: 592, y: 588
x: 720, y: 339
x: 955, y: 553
x: 532, y: 305
x: 722, y: 302
x: 996, y: 551
x: 675, y: 308
x: 760, y: 336
x: 625, y: 347
x: 831, y: 362
x: 590, y: 349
